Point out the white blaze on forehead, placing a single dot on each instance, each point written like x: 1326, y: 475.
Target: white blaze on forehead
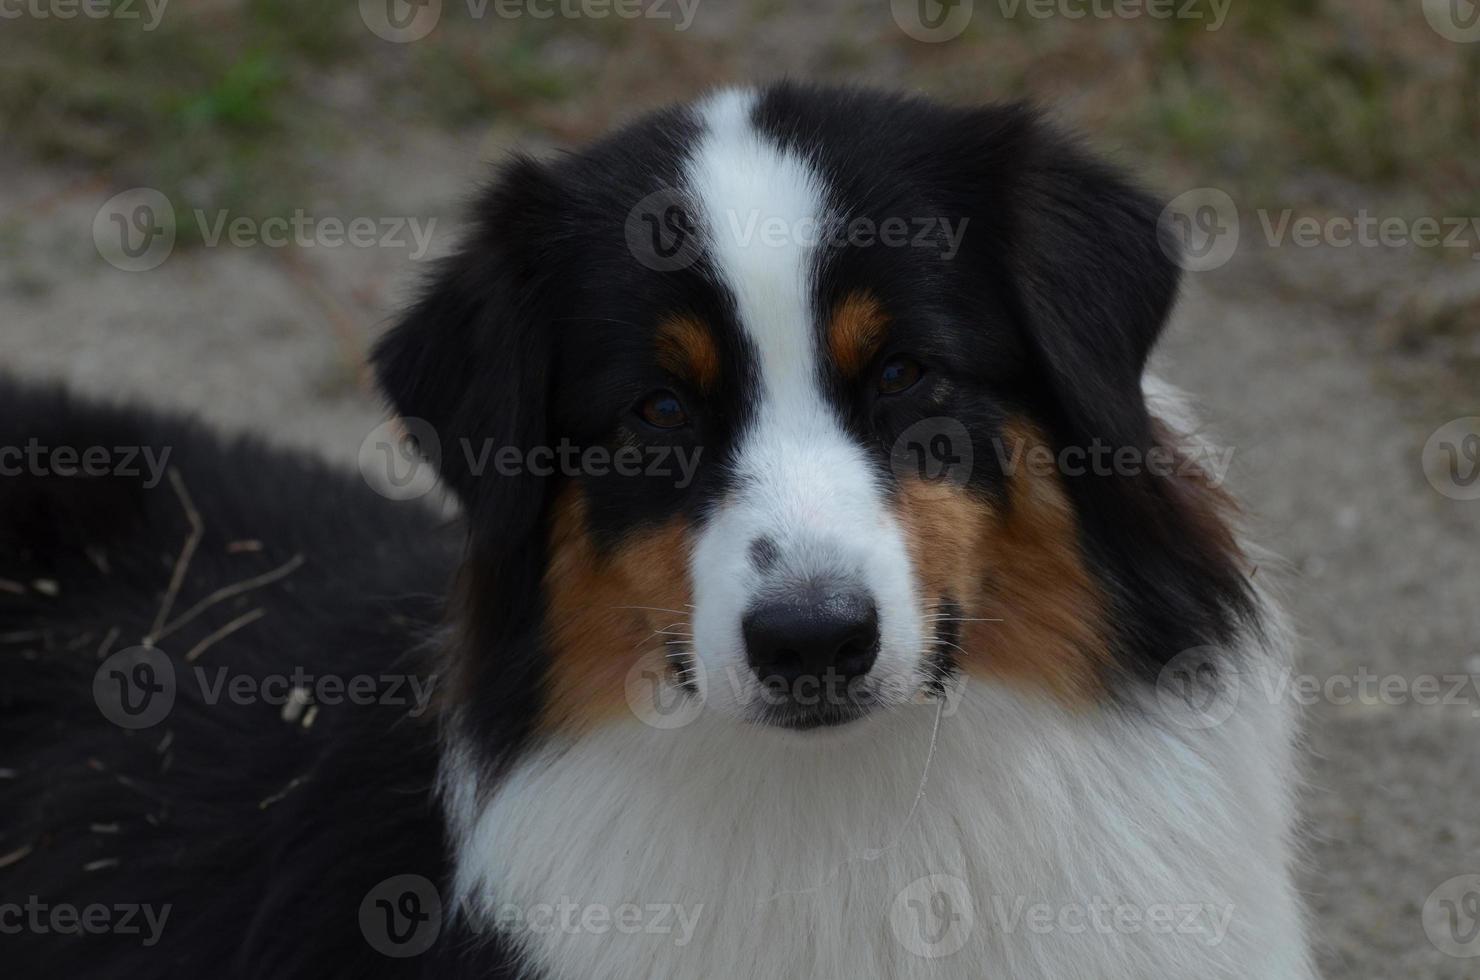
x: 761, y: 204
x: 804, y: 482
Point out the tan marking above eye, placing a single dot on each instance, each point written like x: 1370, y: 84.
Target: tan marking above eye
x: 686, y: 349
x: 856, y: 331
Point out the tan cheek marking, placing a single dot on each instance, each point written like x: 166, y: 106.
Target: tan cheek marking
x: 593, y: 640
x: 1021, y: 565
x: 686, y: 348
x: 856, y: 332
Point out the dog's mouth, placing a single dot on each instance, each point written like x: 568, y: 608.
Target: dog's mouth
x: 824, y: 701
x: 942, y: 664
x: 798, y: 719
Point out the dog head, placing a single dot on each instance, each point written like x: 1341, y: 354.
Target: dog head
x: 761, y: 391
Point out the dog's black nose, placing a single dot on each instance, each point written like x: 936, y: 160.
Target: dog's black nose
x: 834, y: 635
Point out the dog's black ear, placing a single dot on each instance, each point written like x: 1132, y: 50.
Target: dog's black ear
x: 472, y: 356
x: 1093, y: 279
x: 1084, y: 262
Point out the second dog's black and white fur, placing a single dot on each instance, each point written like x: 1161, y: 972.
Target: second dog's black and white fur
x: 1001, y: 789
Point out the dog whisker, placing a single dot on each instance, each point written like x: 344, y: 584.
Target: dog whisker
x: 676, y: 612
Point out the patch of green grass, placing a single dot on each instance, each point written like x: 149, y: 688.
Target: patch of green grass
x: 185, y: 102
x: 243, y: 98
x: 234, y: 98
x: 226, y: 106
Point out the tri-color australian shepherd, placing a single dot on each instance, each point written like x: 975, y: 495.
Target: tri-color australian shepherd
x: 832, y: 595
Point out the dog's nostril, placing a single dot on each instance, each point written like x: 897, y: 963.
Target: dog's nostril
x: 833, y: 634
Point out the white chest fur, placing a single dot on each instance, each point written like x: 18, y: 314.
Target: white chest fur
x: 1047, y: 844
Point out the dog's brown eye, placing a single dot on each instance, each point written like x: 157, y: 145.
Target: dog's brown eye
x: 662, y: 410
x: 899, y: 373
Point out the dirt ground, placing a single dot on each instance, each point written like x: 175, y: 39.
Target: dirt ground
x: 1328, y: 429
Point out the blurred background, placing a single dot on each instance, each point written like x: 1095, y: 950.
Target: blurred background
x: 217, y: 204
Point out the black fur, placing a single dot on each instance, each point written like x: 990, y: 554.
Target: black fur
x: 262, y: 836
